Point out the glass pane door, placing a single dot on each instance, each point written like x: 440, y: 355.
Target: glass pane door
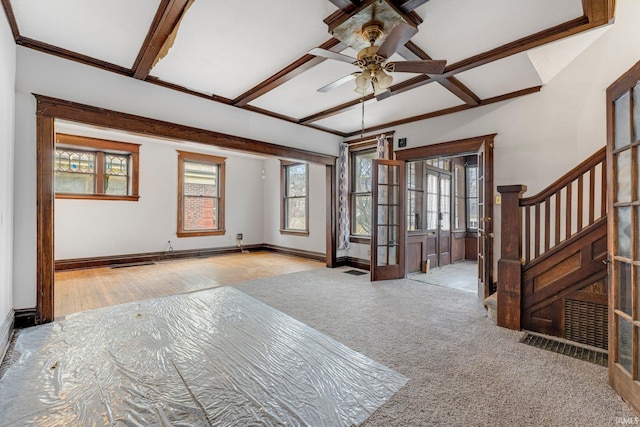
x: 387, y: 240
x: 623, y: 163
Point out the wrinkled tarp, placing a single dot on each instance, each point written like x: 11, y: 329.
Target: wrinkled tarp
x: 216, y: 357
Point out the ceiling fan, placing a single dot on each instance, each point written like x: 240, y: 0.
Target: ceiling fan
x: 372, y: 59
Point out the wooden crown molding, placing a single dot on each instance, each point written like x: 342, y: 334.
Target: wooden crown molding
x: 11, y: 18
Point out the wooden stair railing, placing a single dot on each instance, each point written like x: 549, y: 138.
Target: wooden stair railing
x: 532, y: 227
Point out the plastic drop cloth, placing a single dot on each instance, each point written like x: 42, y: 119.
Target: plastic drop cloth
x: 217, y: 357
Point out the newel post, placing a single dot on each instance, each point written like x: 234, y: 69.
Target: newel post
x: 509, y: 265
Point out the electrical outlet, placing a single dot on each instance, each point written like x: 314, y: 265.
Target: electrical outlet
x: 239, y: 236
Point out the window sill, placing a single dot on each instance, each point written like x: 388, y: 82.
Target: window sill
x: 201, y: 233
x: 359, y: 239
x: 96, y: 197
x: 295, y: 232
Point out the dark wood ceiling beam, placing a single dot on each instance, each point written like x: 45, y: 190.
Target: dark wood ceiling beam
x: 409, y: 5
x: 164, y: 23
x: 411, y: 52
x: 289, y: 72
x: 73, y: 56
x: 13, y: 24
x: 333, y: 111
x: 450, y: 110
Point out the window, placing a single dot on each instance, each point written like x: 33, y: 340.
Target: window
x: 472, y: 197
x: 201, y: 195
x: 361, y: 162
x: 295, y: 200
x: 415, y: 194
x: 90, y: 168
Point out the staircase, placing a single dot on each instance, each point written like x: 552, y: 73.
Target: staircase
x: 552, y: 275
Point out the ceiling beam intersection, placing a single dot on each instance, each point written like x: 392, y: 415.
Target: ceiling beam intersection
x: 410, y: 51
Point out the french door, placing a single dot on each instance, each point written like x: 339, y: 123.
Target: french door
x: 623, y: 218
x: 485, y: 220
x: 438, y: 218
x: 388, y: 220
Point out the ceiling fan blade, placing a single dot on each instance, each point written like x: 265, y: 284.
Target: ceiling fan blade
x: 400, y: 33
x: 420, y: 67
x: 324, y: 53
x: 339, y: 82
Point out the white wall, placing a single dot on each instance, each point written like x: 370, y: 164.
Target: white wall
x: 90, y: 228
x: 542, y: 136
x: 7, y: 105
x: 316, y: 240
x: 48, y: 75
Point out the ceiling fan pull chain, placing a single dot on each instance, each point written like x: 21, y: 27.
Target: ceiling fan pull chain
x: 362, y: 131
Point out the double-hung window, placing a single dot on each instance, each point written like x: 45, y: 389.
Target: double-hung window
x: 362, y: 168
x: 90, y: 168
x: 200, y: 195
x: 295, y: 198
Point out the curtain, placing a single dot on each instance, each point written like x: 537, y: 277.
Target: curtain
x: 381, y: 145
x: 343, y: 198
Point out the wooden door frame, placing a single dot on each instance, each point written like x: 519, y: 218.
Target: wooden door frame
x: 49, y: 109
x: 458, y: 148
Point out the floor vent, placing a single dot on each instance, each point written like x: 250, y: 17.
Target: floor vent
x: 133, y: 264
x: 356, y: 272
x: 566, y: 348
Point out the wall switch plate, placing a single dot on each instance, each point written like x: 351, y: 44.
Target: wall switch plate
x: 498, y: 200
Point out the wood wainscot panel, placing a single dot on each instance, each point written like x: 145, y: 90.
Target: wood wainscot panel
x: 471, y: 246
x: 458, y: 245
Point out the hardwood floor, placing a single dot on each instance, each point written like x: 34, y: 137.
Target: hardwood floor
x: 81, y: 290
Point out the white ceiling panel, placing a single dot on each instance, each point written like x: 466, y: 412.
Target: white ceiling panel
x: 112, y: 31
x: 500, y: 77
x: 299, y: 96
x: 458, y: 29
x: 428, y: 98
x: 228, y: 47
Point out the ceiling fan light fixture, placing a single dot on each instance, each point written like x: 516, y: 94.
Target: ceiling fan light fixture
x: 384, y: 79
x: 363, y: 80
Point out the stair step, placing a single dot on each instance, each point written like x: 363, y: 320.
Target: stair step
x: 491, y: 303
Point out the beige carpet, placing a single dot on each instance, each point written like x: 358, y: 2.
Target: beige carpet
x: 463, y: 370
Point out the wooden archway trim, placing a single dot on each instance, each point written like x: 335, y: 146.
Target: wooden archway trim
x: 49, y: 109
x: 449, y: 148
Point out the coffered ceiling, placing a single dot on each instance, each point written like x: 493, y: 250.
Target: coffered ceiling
x: 252, y: 54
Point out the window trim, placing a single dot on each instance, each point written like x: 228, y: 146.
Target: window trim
x: 201, y: 158
x: 284, y: 165
x: 101, y: 147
